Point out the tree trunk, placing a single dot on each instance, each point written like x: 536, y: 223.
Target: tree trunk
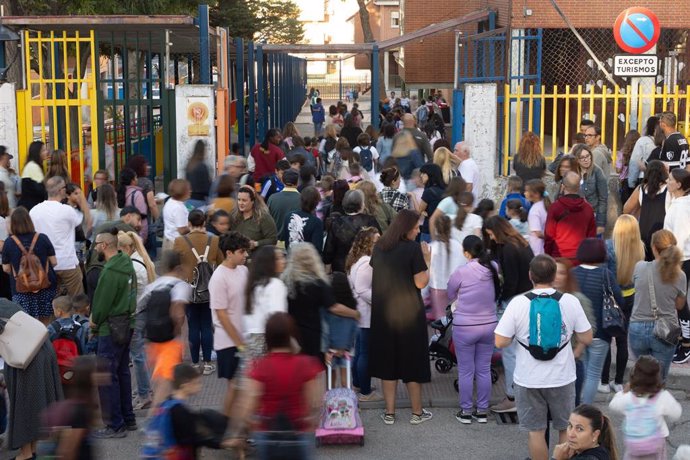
x: 369, y: 38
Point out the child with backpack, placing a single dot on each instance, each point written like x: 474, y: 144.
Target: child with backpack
x: 645, y: 405
x: 81, y: 309
x: 368, y: 156
x: 176, y: 432
x: 66, y: 336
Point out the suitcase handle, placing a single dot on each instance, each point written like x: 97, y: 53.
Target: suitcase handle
x: 348, y: 366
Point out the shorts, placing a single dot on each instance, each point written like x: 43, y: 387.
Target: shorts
x: 341, y: 332
x: 228, y: 362
x: 163, y: 357
x: 534, y: 404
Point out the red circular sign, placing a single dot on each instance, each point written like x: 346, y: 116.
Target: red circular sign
x: 636, y: 30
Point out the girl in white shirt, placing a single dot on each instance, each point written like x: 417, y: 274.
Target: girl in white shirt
x: 446, y: 256
x: 175, y: 212
x: 535, y: 192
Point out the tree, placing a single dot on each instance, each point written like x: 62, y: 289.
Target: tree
x: 269, y: 21
x: 369, y: 38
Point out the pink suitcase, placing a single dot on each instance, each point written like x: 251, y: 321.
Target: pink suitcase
x: 340, y: 421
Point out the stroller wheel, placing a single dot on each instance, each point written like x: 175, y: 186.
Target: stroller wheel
x: 455, y: 385
x: 443, y: 365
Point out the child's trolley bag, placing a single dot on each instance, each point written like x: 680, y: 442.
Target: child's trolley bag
x: 340, y: 421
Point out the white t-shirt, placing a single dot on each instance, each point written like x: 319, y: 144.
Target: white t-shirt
x: 266, y: 300
x: 444, y: 262
x: 180, y: 291
x: 473, y: 224
x: 448, y: 207
x: 58, y: 222
x: 142, y: 274
x: 537, y: 222
x: 469, y: 170
x: 665, y: 406
x: 226, y: 288
x: 175, y: 215
x: 374, y: 154
x: 33, y: 171
x: 532, y: 373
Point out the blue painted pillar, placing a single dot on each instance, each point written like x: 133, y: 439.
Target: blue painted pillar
x: 204, y: 47
x: 271, y: 89
x: 458, y: 116
x: 239, y: 92
x: 251, y: 90
x: 375, y: 86
x: 261, y: 89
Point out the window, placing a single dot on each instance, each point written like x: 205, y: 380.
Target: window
x: 395, y: 19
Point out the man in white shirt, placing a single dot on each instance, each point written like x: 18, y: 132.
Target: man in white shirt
x: 58, y: 222
x: 8, y: 177
x: 468, y: 169
x: 543, y: 386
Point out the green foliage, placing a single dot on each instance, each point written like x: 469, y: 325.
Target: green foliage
x: 57, y: 7
x: 270, y: 21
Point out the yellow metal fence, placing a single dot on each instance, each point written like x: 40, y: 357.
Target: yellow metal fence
x: 51, y: 108
x: 556, y: 113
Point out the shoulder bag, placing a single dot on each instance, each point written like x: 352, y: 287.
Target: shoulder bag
x: 21, y: 337
x: 666, y: 329
x: 612, y: 318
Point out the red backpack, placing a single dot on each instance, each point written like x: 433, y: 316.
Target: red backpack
x: 67, y: 347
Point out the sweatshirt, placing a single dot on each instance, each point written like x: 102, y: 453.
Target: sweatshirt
x: 472, y: 285
x: 569, y: 221
x: 676, y: 221
x: 115, y: 293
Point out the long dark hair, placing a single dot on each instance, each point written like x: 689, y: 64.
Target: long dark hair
x: 655, y: 176
x: 340, y: 188
x: 455, y: 188
x: 475, y: 246
x: 650, y: 126
x: 405, y: 221
x: 35, y: 153
x: 600, y: 423
x: 503, y: 231
x: 198, y: 155
x: 127, y: 175
x: 269, y: 134
x: 261, y: 271
x: 139, y: 164
x: 435, y: 175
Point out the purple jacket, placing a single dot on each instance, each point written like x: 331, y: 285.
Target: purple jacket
x: 473, y: 287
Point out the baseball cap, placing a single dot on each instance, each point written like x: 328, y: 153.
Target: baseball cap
x: 3, y: 151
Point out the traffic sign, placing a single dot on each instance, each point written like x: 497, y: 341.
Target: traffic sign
x: 636, y: 30
x: 635, y: 65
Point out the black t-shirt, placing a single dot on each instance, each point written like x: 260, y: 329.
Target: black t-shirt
x: 12, y: 255
x: 305, y: 307
x: 432, y: 196
x: 673, y: 151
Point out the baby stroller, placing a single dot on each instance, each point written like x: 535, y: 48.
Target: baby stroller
x: 441, y: 348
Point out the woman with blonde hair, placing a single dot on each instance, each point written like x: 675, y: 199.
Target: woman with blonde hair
x: 373, y: 205
x: 624, y: 250
x: 529, y: 162
x: 309, y: 291
x: 442, y: 158
x: 130, y: 243
x: 660, y: 291
x: 407, y: 155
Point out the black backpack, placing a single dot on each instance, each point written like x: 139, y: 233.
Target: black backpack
x: 201, y: 275
x: 366, y: 158
x: 159, y: 326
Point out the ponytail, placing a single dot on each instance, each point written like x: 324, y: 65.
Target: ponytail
x: 670, y: 256
x: 517, y: 206
x: 475, y: 246
x: 465, y: 199
x: 537, y: 186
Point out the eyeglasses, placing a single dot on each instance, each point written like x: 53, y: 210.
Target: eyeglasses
x: 590, y: 135
x: 585, y: 157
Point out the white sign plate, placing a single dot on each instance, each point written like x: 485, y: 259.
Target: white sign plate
x: 635, y: 65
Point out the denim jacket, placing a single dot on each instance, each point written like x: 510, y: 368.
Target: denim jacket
x: 594, y: 188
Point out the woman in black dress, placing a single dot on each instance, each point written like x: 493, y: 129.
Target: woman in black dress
x: 399, y: 341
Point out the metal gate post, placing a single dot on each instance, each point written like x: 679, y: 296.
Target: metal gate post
x: 375, y: 86
x: 251, y: 97
x: 239, y: 91
x: 262, y: 78
x: 204, y: 47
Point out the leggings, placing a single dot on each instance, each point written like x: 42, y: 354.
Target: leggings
x: 684, y: 314
x: 474, y: 346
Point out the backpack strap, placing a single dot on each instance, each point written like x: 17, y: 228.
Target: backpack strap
x: 20, y: 245
x: 33, y: 243
x: 199, y: 258
x: 56, y: 326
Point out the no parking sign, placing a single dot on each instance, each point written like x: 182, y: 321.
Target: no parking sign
x: 636, y: 30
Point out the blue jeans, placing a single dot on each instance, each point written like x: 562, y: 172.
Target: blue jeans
x: 642, y: 342
x: 341, y: 331
x: 360, y: 365
x: 593, y: 359
x: 138, y: 357
x: 508, y: 358
x: 195, y: 204
x: 264, y: 449
x: 318, y: 128
x: 200, y: 330
x: 116, y: 398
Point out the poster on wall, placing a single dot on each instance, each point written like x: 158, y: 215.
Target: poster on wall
x: 8, y: 122
x: 195, y: 116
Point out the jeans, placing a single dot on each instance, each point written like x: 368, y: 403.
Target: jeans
x: 138, y: 357
x: 116, y: 398
x: 593, y: 359
x: 360, y: 365
x: 621, y: 347
x: 318, y: 128
x: 265, y: 450
x: 508, y: 359
x: 643, y: 342
x: 474, y: 346
x: 200, y: 330
x: 195, y: 204
x: 342, y: 331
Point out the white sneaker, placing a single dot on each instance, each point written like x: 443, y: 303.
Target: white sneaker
x: 616, y: 387
x: 603, y: 388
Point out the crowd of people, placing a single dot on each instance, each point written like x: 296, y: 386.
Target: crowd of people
x: 311, y: 249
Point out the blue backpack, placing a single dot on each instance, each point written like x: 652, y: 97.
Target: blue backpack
x: 366, y: 158
x: 159, y: 440
x: 544, y: 326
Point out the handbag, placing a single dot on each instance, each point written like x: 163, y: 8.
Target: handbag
x: 612, y: 318
x: 21, y: 337
x: 666, y: 329
x: 120, y: 328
